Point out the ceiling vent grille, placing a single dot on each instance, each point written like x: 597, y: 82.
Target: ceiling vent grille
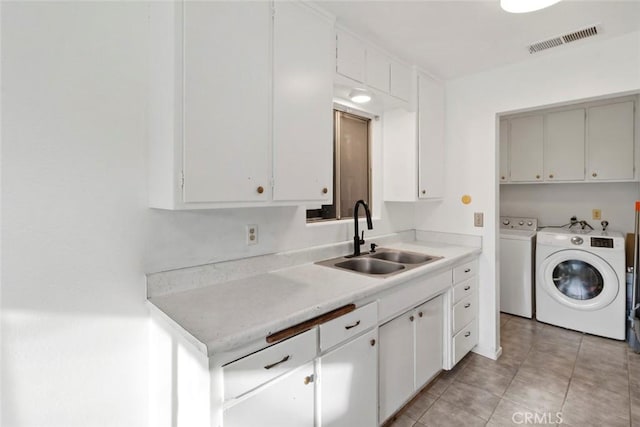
x: 563, y: 39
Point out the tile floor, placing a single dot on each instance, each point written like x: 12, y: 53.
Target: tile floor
x: 565, y: 377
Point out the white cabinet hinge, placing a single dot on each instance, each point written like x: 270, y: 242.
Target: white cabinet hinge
x: 182, y: 179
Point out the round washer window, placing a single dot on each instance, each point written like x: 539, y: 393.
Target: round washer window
x: 578, y: 280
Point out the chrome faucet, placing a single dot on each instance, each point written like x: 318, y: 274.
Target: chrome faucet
x: 357, y: 240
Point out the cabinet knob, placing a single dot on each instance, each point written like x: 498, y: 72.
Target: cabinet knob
x: 424, y: 191
x: 537, y: 176
x: 466, y: 288
x: 260, y: 190
x: 467, y: 305
x: 372, y: 342
x: 411, y: 318
x: 502, y: 178
x: 308, y: 379
x: 325, y: 190
x: 468, y: 334
x: 594, y: 174
x: 551, y: 175
x: 420, y: 314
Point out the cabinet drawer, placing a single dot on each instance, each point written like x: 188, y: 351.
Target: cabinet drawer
x: 251, y: 371
x: 465, y: 271
x: 347, y: 326
x: 464, y: 341
x: 464, y: 312
x: 464, y: 289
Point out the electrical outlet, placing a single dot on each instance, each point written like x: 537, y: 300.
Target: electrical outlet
x: 478, y: 219
x: 252, y: 234
x: 596, y: 214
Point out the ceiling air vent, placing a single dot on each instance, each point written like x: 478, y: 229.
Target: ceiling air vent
x: 563, y: 39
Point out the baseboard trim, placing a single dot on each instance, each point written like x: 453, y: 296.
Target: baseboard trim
x: 487, y: 352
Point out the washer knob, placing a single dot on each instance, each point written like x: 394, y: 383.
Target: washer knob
x: 529, y: 223
x: 506, y: 222
x: 577, y: 240
x: 521, y: 223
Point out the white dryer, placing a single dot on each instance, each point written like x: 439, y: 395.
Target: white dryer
x: 580, y: 281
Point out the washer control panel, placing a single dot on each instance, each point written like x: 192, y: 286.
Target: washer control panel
x: 518, y: 223
x: 601, y: 242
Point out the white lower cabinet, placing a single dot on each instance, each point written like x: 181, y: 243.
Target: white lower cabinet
x: 348, y: 382
x: 411, y: 351
x: 286, y: 402
x: 463, y: 308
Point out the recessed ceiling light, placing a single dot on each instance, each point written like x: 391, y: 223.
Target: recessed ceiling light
x: 523, y: 6
x: 359, y: 96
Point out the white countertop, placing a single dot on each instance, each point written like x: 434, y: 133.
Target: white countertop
x: 227, y: 315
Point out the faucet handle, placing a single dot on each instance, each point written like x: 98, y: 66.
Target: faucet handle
x: 362, y: 238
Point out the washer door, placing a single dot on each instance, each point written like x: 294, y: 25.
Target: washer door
x: 579, y: 279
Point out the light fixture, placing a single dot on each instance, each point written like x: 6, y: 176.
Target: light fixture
x: 523, y: 6
x: 359, y: 96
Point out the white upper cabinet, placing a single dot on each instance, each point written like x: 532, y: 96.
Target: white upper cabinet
x: 430, y: 138
x: 525, y: 149
x: 504, y: 150
x: 610, y: 142
x: 302, y: 104
x: 400, y: 81
x: 208, y: 75
x: 350, y: 56
x: 564, y: 145
x: 378, y: 70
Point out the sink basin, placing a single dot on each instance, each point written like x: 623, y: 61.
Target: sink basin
x: 403, y: 257
x: 369, y: 266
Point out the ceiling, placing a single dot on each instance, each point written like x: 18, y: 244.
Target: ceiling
x: 455, y: 38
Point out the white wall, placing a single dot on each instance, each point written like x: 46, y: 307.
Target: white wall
x: 554, y: 204
x: 573, y: 72
x: 77, y: 237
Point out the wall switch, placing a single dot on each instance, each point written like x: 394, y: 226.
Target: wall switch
x: 478, y: 219
x: 252, y: 234
x: 596, y: 214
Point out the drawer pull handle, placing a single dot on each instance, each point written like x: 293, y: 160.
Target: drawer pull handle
x: 352, y: 326
x: 466, y: 288
x: 466, y: 270
x: 411, y: 318
x: 308, y: 379
x: 420, y: 314
x: 284, y: 359
x: 372, y: 342
x: 468, y: 334
x: 467, y: 305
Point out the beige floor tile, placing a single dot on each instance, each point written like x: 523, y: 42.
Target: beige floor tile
x: 446, y: 414
x: 553, y: 364
x: 557, y: 347
x: 635, y: 408
x: 509, y: 413
x: 401, y: 421
x: 544, y: 379
x: 439, y: 385
x: 582, y: 395
x: 475, y: 400
x: 505, y: 365
x: 419, y: 405
x: 616, y: 381
x: 565, y: 335
x: 486, y: 380
x: 534, y: 397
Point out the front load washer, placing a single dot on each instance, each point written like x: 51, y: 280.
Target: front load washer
x: 580, y: 281
x: 517, y: 249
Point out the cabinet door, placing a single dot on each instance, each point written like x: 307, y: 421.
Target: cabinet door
x: 525, y: 149
x: 396, y: 364
x: 227, y: 79
x: 564, y: 146
x: 378, y: 70
x: 610, y: 142
x: 400, y: 85
x: 286, y: 402
x: 431, y: 138
x: 303, y: 98
x: 429, y: 338
x: 348, y: 381
x: 350, y: 53
x: 504, y: 150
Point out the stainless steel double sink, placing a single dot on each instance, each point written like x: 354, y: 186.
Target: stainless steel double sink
x: 383, y: 262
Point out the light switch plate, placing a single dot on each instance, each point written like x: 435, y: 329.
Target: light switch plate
x: 478, y: 219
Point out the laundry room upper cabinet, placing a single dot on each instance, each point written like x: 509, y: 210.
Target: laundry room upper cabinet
x: 209, y: 110
x: 526, y: 138
x: 610, y: 142
x: 564, y: 145
x: 304, y: 63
